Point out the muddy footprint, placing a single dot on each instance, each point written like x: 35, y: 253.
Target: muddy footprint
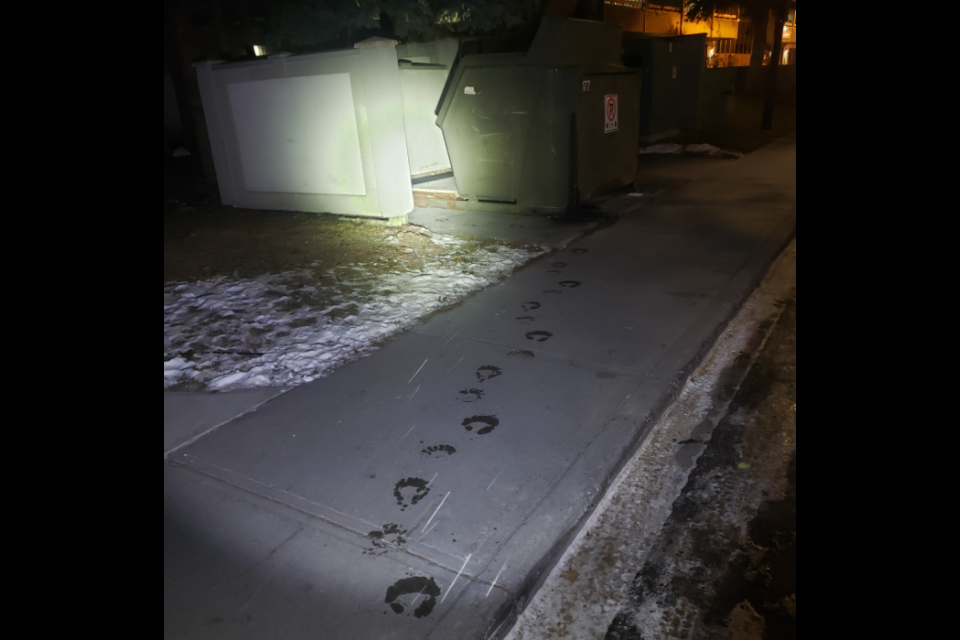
x: 389, y: 530
x: 421, y: 486
x: 560, y: 265
x: 570, y: 284
x: 539, y: 336
x: 552, y: 291
x: 488, y: 372
x: 472, y: 395
x: 523, y: 354
x: 441, y: 451
x: 485, y: 424
x: 416, y: 587
x: 526, y: 319
x: 581, y: 251
x: 531, y: 306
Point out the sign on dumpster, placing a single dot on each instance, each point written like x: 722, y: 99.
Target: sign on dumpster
x: 613, y: 114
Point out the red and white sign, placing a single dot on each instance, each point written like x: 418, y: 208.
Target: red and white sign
x: 612, y: 114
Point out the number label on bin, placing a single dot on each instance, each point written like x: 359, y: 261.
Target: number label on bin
x: 612, y: 115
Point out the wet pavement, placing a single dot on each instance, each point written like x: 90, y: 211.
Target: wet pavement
x: 463, y: 457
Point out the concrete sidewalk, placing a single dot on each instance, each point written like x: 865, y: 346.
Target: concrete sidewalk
x: 422, y: 492
x: 189, y: 416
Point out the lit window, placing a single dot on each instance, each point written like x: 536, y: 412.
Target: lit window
x: 259, y: 51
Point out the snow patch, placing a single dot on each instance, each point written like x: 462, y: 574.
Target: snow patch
x: 705, y: 150
x: 664, y: 149
x: 283, y: 330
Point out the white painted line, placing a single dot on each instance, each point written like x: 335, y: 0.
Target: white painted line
x: 415, y: 600
x: 415, y: 393
x: 495, y: 581
x: 431, y: 530
x: 418, y: 371
x: 436, y: 512
x: 495, y: 479
x: 408, y: 433
x: 425, y: 512
x: 457, y: 578
x: 494, y: 634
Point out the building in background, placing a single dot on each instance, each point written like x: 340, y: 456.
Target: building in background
x: 731, y: 36
x: 790, y: 39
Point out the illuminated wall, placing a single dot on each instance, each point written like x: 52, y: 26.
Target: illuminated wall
x: 422, y: 81
x: 299, y: 135
x: 316, y: 133
x: 426, y: 147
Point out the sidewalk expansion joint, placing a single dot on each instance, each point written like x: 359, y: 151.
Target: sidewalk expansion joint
x: 266, y: 495
x: 211, y: 430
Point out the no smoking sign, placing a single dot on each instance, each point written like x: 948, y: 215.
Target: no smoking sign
x: 612, y: 120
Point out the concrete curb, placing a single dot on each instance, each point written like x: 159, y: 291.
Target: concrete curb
x: 701, y: 338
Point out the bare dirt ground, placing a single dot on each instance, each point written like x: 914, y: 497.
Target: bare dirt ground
x: 214, y: 241
x: 203, y: 239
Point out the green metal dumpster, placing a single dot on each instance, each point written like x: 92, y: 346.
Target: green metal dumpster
x: 542, y: 131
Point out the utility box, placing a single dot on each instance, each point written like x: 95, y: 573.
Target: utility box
x: 548, y: 129
x: 673, y: 76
